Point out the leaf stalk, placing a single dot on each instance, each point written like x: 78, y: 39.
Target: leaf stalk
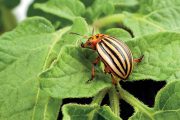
x: 99, y: 97
x: 114, y: 100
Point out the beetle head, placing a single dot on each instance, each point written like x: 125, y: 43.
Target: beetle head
x: 92, y: 41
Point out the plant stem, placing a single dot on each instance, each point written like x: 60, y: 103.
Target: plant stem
x: 114, y: 101
x: 116, y: 18
x: 99, y: 97
x: 134, y: 102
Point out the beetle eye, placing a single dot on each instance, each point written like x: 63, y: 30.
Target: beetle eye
x: 89, y: 44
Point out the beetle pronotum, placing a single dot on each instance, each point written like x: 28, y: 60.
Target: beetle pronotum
x: 115, y: 55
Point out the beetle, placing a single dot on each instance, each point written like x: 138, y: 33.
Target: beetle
x: 115, y: 55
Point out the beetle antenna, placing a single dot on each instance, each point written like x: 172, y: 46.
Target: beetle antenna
x: 75, y: 33
x: 79, y: 34
x: 92, y: 31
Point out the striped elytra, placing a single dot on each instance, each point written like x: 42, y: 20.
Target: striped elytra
x: 116, y: 56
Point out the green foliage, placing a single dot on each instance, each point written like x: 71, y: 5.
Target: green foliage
x: 9, y: 3
x: 161, y: 59
x: 68, y: 9
x: 96, y: 10
x: 23, y: 55
x: 87, y: 112
x: 119, y: 33
x: 37, y: 12
x: 154, y: 16
x: 54, y: 80
x: 7, y: 19
x: 41, y: 63
x: 167, y: 105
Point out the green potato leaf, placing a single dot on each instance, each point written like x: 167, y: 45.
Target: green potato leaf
x: 56, y: 21
x: 41, y: 64
x: 63, y: 37
x: 154, y: 16
x: 167, y: 104
x: 168, y: 97
x: 68, y: 9
x: 125, y: 2
x: 24, y: 54
x: 97, y: 9
x: 70, y: 75
x: 87, y: 112
x: 161, y: 59
x: 80, y: 27
x: 119, y: 33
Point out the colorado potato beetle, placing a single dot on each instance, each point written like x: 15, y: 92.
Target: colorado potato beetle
x: 115, y: 55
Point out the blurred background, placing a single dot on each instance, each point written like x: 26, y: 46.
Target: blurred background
x: 20, y: 11
x: 12, y: 12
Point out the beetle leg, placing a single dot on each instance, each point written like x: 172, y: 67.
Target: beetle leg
x: 93, y: 67
x: 137, y: 60
x: 96, y: 61
x: 114, y: 82
x: 106, y: 69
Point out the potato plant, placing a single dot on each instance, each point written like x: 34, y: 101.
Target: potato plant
x: 41, y: 64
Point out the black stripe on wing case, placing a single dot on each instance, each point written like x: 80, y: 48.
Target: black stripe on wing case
x: 110, y: 57
x: 126, y: 49
x: 121, y: 53
x: 116, y: 56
